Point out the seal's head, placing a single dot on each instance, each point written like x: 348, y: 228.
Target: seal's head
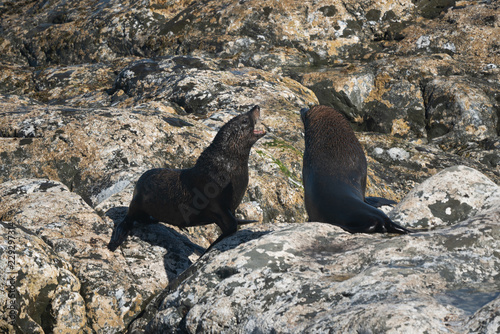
x: 242, y: 130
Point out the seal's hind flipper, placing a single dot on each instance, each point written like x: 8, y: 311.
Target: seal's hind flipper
x: 392, y: 227
x: 379, y: 201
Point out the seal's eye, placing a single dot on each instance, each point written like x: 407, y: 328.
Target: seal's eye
x: 245, y: 121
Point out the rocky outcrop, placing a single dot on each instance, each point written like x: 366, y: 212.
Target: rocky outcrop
x: 64, y: 275
x: 99, y: 151
x: 423, y: 71
x: 291, y: 277
x: 449, y: 196
x: 315, y: 277
x: 414, y: 98
x: 43, y: 293
x: 256, y: 33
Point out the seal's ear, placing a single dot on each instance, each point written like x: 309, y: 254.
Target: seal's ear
x: 303, y: 113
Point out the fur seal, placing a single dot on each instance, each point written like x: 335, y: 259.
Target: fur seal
x: 207, y: 193
x: 334, y: 175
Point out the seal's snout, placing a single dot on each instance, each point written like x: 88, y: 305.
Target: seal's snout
x: 255, y: 115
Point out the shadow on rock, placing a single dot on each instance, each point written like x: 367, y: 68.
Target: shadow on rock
x: 229, y: 243
x: 238, y: 238
x: 178, y: 247
x: 140, y: 324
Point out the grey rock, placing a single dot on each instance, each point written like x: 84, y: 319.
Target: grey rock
x: 198, y: 86
x: 450, y: 196
x: 264, y: 35
x: 404, y: 164
x: 432, y: 9
x: 92, y: 96
x: 69, y: 32
x: 65, y: 276
x: 486, y: 319
x: 68, y: 142
x: 316, y: 278
x: 412, y: 97
x: 459, y: 112
x: 41, y: 293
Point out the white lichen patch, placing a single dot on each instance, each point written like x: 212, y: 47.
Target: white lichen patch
x: 398, y: 154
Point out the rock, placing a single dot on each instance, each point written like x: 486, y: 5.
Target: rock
x: 396, y: 166
x: 118, y: 168
x: 42, y: 289
x: 371, y: 98
x: 198, y: 86
x: 70, y: 32
x: 15, y: 79
x: 65, y: 143
x: 451, y: 195
x: 432, y: 9
x: 459, y: 112
x: 73, y: 83
x: 93, y: 96
x: 65, y: 276
x: 292, y: 33
x: 314, y: 277
x: 415, y: 98
x: 336, y: 277
x: 486, y: 319
x: 93, y: 151
x: 262, y: 35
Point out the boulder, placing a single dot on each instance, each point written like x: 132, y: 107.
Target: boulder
x: 42, y: 293
x: 315, y: 277
x: 460, y: 112
x: 65, y: 277
x: 451, y: 195
x: 372, y: 97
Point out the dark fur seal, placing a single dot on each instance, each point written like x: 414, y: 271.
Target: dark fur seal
x: 334, y: 176
x: 208, y: 193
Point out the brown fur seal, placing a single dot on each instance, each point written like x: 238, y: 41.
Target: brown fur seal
x: 208, y: 193
x: 334, y: 176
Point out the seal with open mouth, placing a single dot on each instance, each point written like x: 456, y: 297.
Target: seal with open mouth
x: 207, y: 193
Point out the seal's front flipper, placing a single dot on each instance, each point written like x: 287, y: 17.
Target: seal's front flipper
x: 227, y: 223
x: 120, y: 233
x: 379, y: 201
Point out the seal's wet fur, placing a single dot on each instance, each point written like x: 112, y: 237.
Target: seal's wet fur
x: 208, y: 193
x: 334, y: 175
